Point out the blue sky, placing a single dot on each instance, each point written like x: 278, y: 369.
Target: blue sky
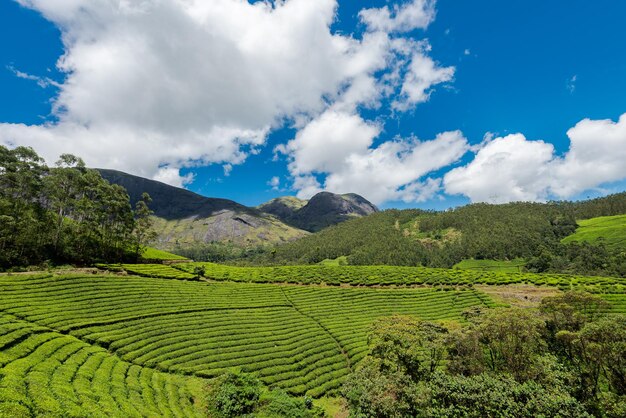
x: 531, y: 67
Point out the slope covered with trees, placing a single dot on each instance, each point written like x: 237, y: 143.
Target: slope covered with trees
x: 65, y: 213
x: 530, y: 231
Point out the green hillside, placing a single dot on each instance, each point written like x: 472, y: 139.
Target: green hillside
x: 507, y: 266
x: 156, y: 254
x: 126, y: 346
x: 530, y: 231
x: 608, y: 230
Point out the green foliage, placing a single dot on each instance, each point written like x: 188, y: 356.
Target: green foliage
x: 504, y: 340
x: 143, y: 232
x: 46, y: 373
x: 512, y: 266
x: 408, y: 346
x: 234, y: 395
x: 218, y: 252
x: 530, y: 231
x: 155, y: 254
x: 278, y: 404
x: 304, y: 340
x: 494, y: 396
x: 65, y: 214
x: 502, y: 363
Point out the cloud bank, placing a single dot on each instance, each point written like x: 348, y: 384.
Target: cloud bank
x: 154, y: 86
x: 157, y: 85
x: 513, y: 168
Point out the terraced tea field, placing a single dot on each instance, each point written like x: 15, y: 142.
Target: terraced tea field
x: 47, y: 373
x: 137, y: 346
x: 389, y: 275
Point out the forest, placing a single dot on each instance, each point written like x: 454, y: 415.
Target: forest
x: 65, y: 214
x: 531, y: 231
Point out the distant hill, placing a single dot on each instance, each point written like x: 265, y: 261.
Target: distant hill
x: 322, y: 210
x: 184, y: 219
x: 520, y: 230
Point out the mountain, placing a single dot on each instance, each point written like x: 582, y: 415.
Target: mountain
x: 184, y: 218
x: 169, y: 202
x: 322, y: 210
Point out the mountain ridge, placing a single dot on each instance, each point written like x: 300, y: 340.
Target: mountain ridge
x: 322, y: 210
x: 184, y: 218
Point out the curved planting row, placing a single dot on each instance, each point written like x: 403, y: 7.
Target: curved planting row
x: 347, y: 313
x: 618, y: 303
x: 397, y: 275
x: 302, y: 339
x: 70, y: 302
x: 45, y: 373
x: 150, y: 270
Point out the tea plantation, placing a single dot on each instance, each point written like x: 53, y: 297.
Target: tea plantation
x: 108, y: 345
x: 384, y: 275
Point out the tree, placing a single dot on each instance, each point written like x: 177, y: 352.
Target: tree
x: 504, y: 340
x: 233, y: 395
x: 143, y: 224
x: 408, y: 345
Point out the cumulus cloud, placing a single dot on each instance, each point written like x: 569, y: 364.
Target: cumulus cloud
x: 183, y: 83
x: 514, y: 168
x: 504, y: 169
x: 416, y: 14
x: 274, y: 183
x: 340, y: 147
x: 338, y: 143
x: 597, y: 155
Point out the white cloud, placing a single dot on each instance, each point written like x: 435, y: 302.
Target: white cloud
x: 172, y: 176
x: 274, y: 182
x: 392, y: 170
x: 182, y: 83
x: 306, y: 186
x: 571, y: 84
x: 415, y: 14
x: 423, y: 73
x: 597, y: 155
x: 340, y: 147
x: 324, y: 144
x: 504, y: 169
x: 43, y: 82
x: 513, y: 168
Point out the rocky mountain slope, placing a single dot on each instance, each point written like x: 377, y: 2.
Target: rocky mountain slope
x: 184, y: 218
x: 324, y: 209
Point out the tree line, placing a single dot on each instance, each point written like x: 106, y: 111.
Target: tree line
x: 532, y: 231
x: 564, y: 359
x: 65, y: 214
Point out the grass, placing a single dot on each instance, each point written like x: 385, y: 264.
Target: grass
x: 610, y: 230
x: 46, y: 373
x: 512, y: 266
x: 156, y: 254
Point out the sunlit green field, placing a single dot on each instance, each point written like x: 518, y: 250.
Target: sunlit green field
x: 512, y: 266
x: 610, y: 230
x: 76, y: 345
x: 155, y: 254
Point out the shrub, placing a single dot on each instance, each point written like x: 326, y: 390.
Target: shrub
x: 234, y: 394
